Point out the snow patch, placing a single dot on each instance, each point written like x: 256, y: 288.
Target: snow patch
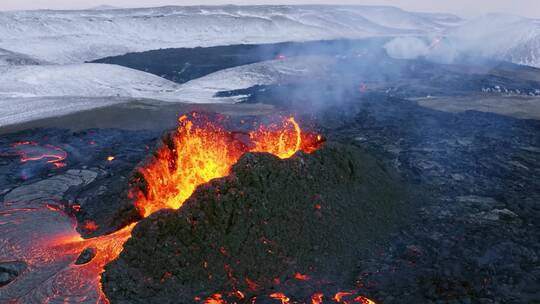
x: 19, y: 110
x: 88, y: 80
x: 12, y: 58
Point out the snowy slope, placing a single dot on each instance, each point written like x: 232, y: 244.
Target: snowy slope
x: 395, y: 18
x: 12, y: 58
x: 39, y: 91
x: 77, y: 36
x: 20, y: 110
x: 88, y: 80
x: 202, y: 90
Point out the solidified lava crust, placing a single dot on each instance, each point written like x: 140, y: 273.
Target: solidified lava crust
x: 271, y: 224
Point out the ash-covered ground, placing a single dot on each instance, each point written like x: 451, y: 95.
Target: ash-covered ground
x: 477, y: 239
x: 470, y: 234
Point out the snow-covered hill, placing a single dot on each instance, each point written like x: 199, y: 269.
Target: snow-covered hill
x: 204, y: 89
x: 88, y: 80
x: 84, y: 35
x: 39, y: 91
x: 78, y: 36
x: 20, y: 110
x: 12, y: 58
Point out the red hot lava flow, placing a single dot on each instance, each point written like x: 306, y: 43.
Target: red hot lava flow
x: 31, y: 151
x: 204, y: 150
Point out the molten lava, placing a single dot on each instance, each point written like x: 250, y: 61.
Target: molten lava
x: 339, y: 295
x: 317, y: 298
x: 201, y: 150
x: 32, y: 151
x: 281, y: 297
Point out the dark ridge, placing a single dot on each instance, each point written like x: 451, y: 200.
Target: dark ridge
x: 183, y: 64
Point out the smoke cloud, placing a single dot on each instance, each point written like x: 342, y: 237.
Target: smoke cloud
x: 491, y: 37
x: 406, y: 48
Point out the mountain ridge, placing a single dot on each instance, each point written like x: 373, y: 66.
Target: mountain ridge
x: 76, y: 36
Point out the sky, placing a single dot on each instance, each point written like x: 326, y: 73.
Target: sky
x: 464, y: 8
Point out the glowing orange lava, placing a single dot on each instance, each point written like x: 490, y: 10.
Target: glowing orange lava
x: 342, y: 297
x: 75, y: 279
x: 31, y: 151
x: 201, y: 150
x: 215, y: 299
x: 339, y: 295
x: 317, y: 298
x: 281, y: 297
x: 301, y: 277
x: 363, y: 300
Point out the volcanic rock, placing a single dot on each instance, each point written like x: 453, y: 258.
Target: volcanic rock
x: 105, y: 203
x: 52, y: 188
x: 9, y: 271
x: 86, y: 256
x: 257, y: 228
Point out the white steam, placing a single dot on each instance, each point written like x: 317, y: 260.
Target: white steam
x: 495, y: 36
x: 406, y: 48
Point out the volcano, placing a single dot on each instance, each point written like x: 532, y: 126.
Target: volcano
x: 199, y: 150
x: 271, y: 227
x: 268, y: 154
